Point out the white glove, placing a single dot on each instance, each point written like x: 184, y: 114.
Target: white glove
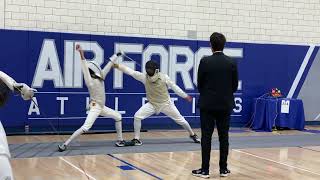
x: 114, y: 57
x: 17, y: 86
x: 26, y: 92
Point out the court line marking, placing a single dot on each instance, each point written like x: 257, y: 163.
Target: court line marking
x: 310, y: 149
x: 80, y: 170
x: 135, y: 167
x: 284, y: 164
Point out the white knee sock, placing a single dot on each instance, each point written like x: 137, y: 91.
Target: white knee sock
x: 187, y: 127
x: 5, y: 168
x: 119, y: 130
x: 137, y: 128
x: 74, y: 136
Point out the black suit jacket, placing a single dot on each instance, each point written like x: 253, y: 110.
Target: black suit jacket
x: 217, y: 81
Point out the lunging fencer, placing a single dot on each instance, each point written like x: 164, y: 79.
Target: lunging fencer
x: 7, y: 86
x: 94, y: 78
x: 156, y: 86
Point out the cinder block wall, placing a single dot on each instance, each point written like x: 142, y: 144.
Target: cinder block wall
x: 288, y: 21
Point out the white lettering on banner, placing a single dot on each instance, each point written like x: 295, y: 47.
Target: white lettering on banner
x: 206, y: 51
x: 69, y: 64
x: 234, y: 52
x: 239, y: 85
x: 33, y: 108
x: 238, y: 104
x: 62, y: 99
x: 179, y: 67
x: 70, y: 74
x: 193, y: 105
x: 126, y: 48
x: 173, y: 99
x: 87, y: 105
x: 202, y: 52
x: 49, y: 69
x: 92, y: 47
x: 285, y: 106
x: 116, y: 105
x: 144, y: 101
x: 159, y: 50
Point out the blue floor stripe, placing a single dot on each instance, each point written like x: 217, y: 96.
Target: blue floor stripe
x: 126, y: 168
x: 237, y: 131
x: 312, y: 131
x: 133, y: 166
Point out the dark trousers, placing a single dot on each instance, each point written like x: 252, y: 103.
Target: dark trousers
x: 208, y: 120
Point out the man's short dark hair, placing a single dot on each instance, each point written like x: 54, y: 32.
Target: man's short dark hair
x: 217, y: 41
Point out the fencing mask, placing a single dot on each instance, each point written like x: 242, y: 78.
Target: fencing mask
x: 95, y: 69
x: 152, y: 69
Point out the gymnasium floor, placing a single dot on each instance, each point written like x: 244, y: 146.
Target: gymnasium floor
x: 287, y: 154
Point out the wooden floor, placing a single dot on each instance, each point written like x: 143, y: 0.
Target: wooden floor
x: 293, y: 163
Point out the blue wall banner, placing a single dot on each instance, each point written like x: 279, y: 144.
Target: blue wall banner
x: 49, y: 62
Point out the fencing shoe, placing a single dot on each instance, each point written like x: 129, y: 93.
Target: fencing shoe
x: 62, y: 147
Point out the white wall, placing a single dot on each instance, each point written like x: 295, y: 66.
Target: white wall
x: 292, y: 21
x: 2, y: 14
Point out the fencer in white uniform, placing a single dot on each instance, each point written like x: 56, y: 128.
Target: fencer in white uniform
x: 7, y: 86
x: 156, y: 86
x: 94, y: 78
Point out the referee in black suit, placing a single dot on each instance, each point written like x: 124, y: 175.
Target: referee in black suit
x: 217, y: 81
